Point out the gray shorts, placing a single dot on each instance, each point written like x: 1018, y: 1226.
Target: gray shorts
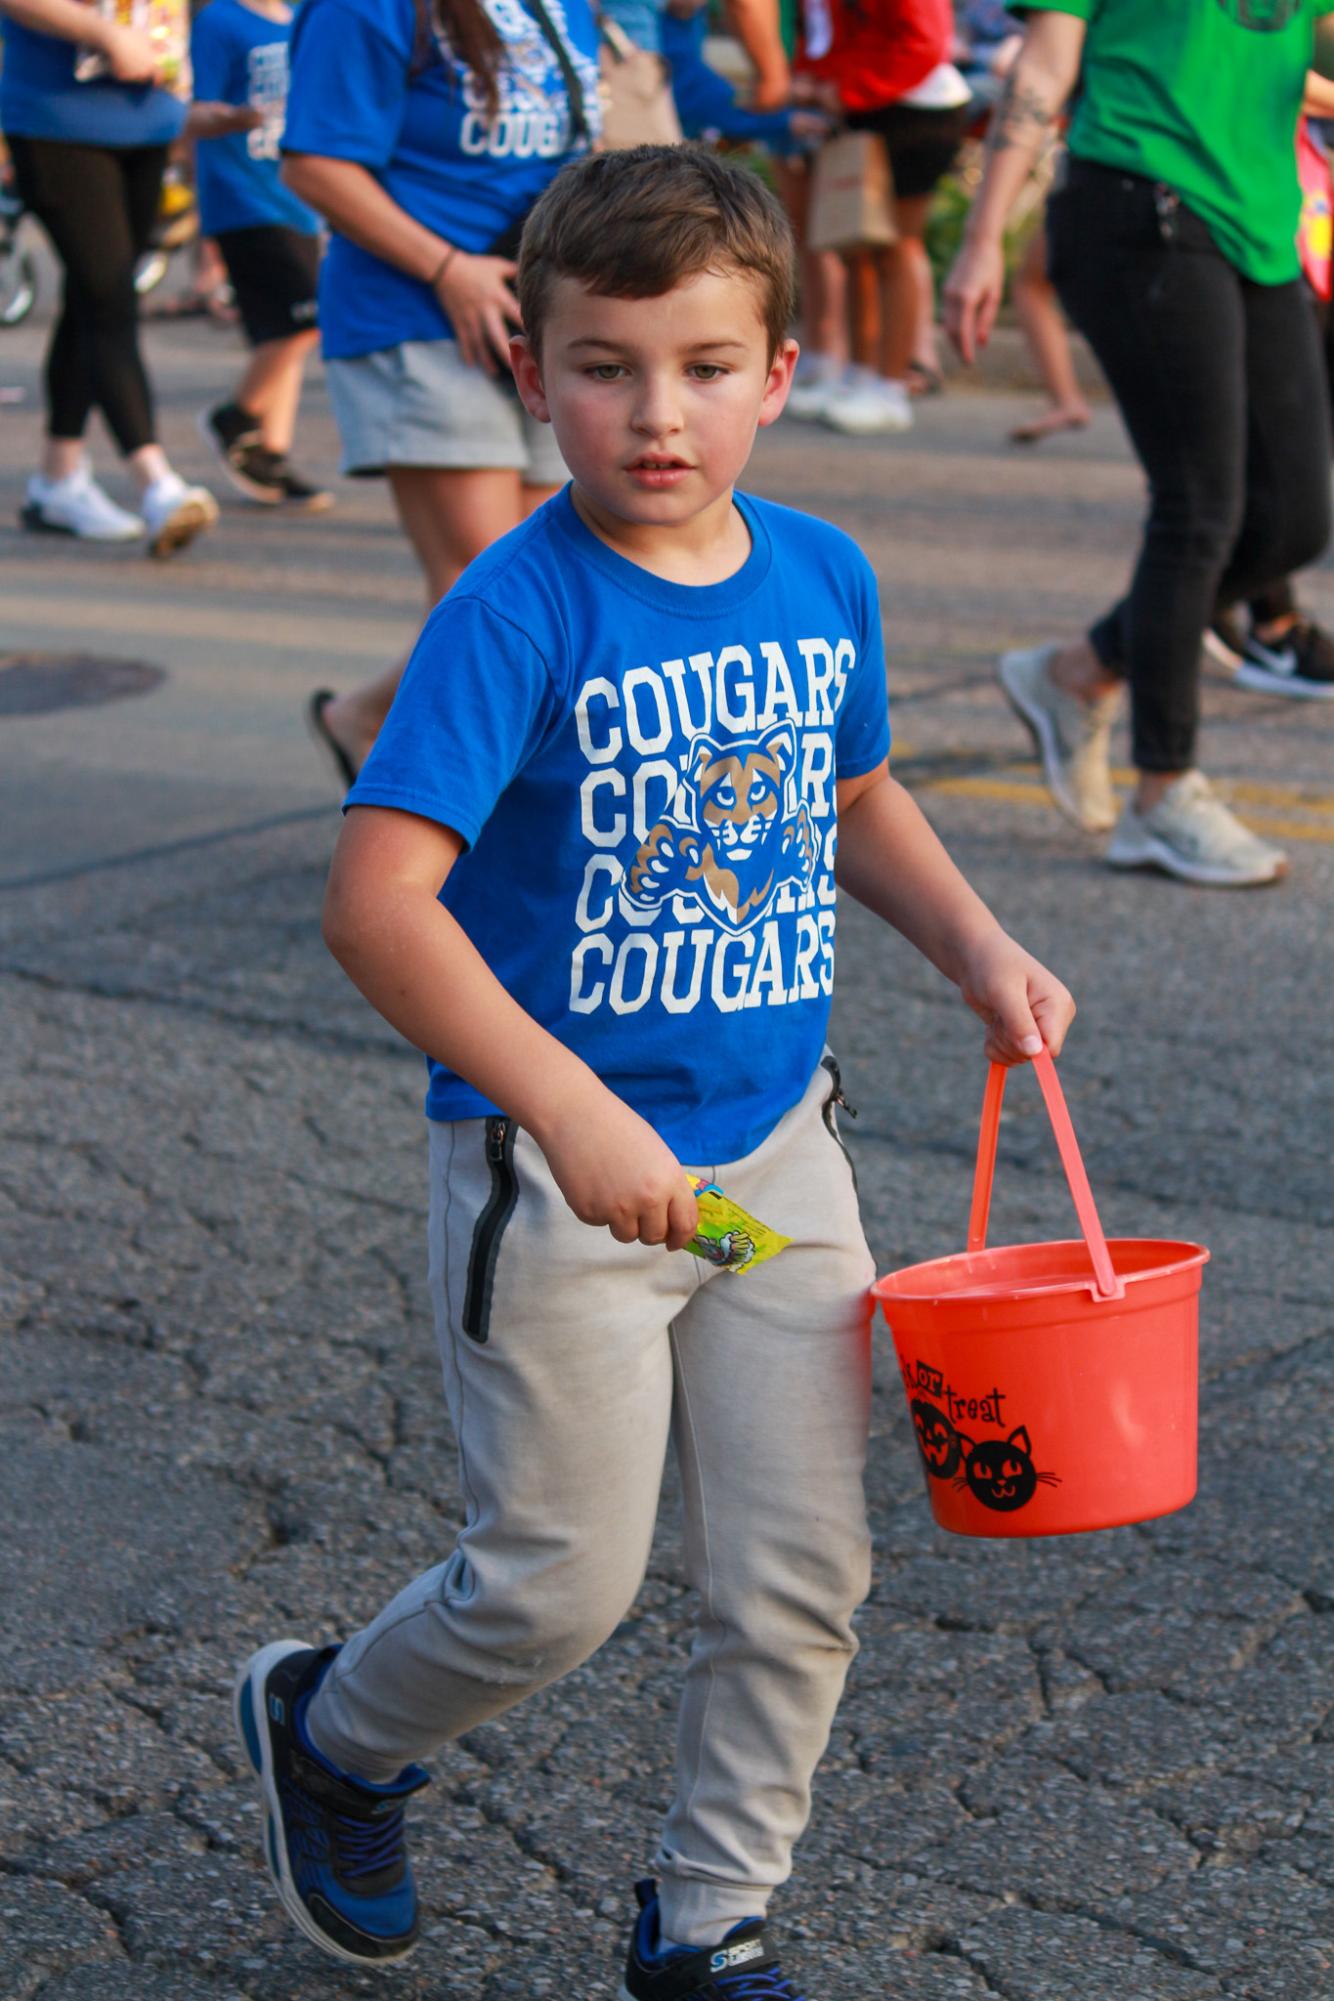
x: 419, y: 405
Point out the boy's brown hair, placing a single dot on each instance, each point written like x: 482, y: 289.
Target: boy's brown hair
x: 635, y: 223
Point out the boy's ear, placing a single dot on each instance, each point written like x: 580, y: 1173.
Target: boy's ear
x: 779, y: 382
x: 528, y: 376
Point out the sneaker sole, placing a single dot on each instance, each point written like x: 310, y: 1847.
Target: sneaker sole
x: 1156, y: 854
x: 1259, y: 679
x: 33, y: 519
x: 182, y: 525
x: 255, y: 1743
x: 1220, y: 652
x: 875, y: 429
x: 265, y: 495
x: 1039, y: 726
x: 313, y: 503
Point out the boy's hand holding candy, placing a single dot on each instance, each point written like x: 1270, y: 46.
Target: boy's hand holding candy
x: 613, y: 1170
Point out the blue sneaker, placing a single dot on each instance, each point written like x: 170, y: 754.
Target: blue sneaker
x: 742, y: 1968
x: 334, y: 1845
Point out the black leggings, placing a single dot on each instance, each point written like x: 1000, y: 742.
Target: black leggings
x: 97, y: 205
x: 1221, y: 385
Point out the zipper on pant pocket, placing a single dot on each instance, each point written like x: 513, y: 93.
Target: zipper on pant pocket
x: 490, y: 1228
x: 836, y: 1097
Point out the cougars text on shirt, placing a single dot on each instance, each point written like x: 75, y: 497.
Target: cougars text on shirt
x: 708, y: 813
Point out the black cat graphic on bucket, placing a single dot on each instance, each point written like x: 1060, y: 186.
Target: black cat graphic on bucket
x: 998, y: 1472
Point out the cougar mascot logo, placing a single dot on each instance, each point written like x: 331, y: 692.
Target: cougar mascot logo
x: 733, y: 833
x: 1265, y: 16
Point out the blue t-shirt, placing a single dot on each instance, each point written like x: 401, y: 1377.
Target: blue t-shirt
x: 240, y: 57
x: 705, y: 101
x: 40, y: 98
x: 363, y: 90
x: 641, y: 20
x: 644, y: 772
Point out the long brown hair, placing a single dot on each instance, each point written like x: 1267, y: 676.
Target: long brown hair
x: 471, y: 34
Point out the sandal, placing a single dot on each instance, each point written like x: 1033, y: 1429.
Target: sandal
x: 214, y: 305
x: 325, y: 738
x: 924, y: 381
x: 1049, y: 425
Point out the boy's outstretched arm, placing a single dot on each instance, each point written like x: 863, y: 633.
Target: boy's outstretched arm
x: 419, y: 968
x: 890, y: 859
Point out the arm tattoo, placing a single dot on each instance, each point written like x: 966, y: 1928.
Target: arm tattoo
x: 1023, y: 113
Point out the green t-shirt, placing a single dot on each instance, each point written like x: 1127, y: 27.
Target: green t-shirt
x: 1204, y: 95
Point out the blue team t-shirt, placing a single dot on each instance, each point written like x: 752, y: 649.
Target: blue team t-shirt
x: 364, y: 89
x: 41, y: 98
x: 644, y: 772
x: 240, y: 57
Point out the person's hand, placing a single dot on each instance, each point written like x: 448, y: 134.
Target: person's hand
x: 1023, y: 1005
x: 615, y: 1173
x: 1005, y: 55
x: 973, y: 295
x: 814, y: 90
x: 475, y: 292
x: 809, y: 128
x: 771, y: 89
x: 216, y: 120
x: 130, y: 54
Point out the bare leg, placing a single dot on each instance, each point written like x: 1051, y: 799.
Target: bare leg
x: 61, y: 457
x: 1039, y: 314
x: 1078, y: 670
x: 271, y: 387
x: 824, y: 305
x: 863, y: 307
x: 905, y: 280
x: 924, y: 362
x: 449, y: 518
x: 823, y: 328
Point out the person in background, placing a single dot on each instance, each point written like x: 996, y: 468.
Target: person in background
x: 709, y: 106
x: 88, y: 158
x: 268, y: 239
x: 1184, y: 277
x: 987, y: 38
x: 891, y: 68
x: 423, y: 131
x: 1038, y: 311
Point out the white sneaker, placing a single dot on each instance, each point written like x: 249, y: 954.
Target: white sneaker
x: 1072, y: 736
x: 1191, y: 834
x: 865, y: 408
x: 175, y: 513
x: 812, y: 388
x: 77, y: 505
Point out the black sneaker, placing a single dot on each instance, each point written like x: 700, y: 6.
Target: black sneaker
x: 742, y: 1968
x: 233, y: 436
x: 334, y: 1846
x: 1301, y: 663
x: 1225, y: 641
x: 301, y: 494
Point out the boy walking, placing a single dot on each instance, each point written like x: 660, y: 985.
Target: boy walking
x: 269, y: 242
x: 589, y: 867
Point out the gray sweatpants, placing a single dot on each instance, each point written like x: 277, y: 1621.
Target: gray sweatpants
x: 569, y: 1359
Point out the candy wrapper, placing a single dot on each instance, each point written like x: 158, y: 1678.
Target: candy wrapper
x: 167, y: 25
x: 728, y: 1236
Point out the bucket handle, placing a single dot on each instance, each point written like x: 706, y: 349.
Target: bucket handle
x: 1107, y: 1284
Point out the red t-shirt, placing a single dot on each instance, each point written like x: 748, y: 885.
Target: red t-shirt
x: 880, y: 49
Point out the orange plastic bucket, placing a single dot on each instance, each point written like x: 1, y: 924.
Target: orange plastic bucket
x: 1052, y: 1387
